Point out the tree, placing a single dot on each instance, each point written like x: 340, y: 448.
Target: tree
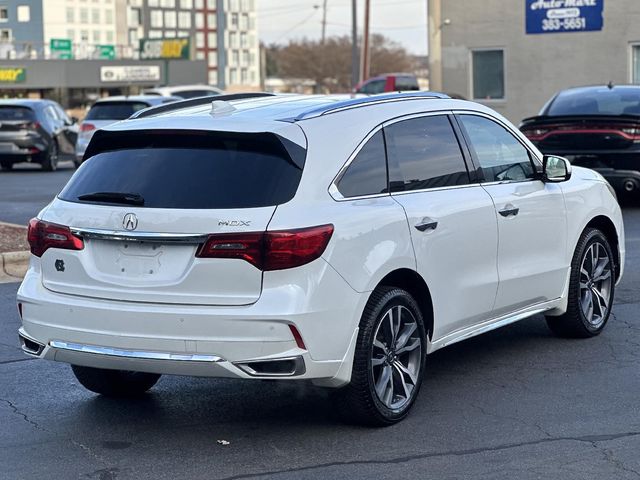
x: 329, y: 64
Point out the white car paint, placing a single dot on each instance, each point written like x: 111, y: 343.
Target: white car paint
x: 483, y: 270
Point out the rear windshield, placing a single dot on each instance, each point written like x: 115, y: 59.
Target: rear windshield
x: 114, y: 110
x: 16, y: 113
x: 602, y: 101
x: 194, y: 93
x: 407, y: 83
x: 203, y: 171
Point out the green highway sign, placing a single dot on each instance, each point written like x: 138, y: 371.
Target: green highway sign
x: 61, y: 48
x: 106, y: 52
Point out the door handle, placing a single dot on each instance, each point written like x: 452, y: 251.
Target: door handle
x: 426, y: 224
x: 509, y: 210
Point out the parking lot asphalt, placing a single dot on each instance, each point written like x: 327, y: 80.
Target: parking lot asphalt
x: 514, y: 403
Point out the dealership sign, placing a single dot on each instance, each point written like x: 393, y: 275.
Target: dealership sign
x: 165, y: 48
x: 557, y: 16
x: 13, y: 75
x: 130, y: 73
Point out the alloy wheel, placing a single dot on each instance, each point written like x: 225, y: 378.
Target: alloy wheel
x: 396, y: 357
x: 595, y: 284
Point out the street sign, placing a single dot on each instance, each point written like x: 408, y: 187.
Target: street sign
x: 61, y: 48
x: 130, y: 73
x: 563, y: 16
x: 106, y: 52
x: 165, y: 48
x: 13, y: 74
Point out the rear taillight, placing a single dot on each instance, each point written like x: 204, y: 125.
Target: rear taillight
x: 633, y: 133
x: 87, y: 127
x: 43, y: 235
x: 535, y: 134
x: 277, y: 250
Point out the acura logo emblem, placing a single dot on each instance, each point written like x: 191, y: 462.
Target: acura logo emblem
x: 130, y: 221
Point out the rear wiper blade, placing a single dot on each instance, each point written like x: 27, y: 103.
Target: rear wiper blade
x: 114, y: 197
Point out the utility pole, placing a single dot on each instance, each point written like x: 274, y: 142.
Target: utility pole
x: 364, y: 69
x: 355, y: 60
x: 434, y: 19
x: 324, y: 21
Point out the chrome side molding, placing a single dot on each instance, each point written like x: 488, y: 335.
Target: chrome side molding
x: 141, y: 355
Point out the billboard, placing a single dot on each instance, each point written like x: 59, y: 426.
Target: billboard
x: 563, y: 16
x: 165, y: 48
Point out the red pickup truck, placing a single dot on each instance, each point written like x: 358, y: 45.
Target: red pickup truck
x: 390, y: 82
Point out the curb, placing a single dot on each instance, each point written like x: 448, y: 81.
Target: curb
x: 14, y: 265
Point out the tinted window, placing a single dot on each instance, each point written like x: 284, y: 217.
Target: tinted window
x: 424, y: 153
x: 373, y: 87
x: 597, y: 101
x: 16, y: 113
x: 114, y: 110
x: 501, y: 156
x: 406, y: 83
x: 194, y: 93
x: 367, y: 174
x: 190, y: 171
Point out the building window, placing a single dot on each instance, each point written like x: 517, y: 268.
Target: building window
x: 635, y: 64
x: 84, y: 15
x: 170, y: 34
x: 212, y: 59
x: 108, y: 17
x: 156, y: 19
x: 244, y: 40
x: 233, y: 39
x: 168, y: 3
x: 186, y: 4
x: 155, y: 33
x: 71, y: 34
x: 213, y: 77
x: 234, y: 20
x: 199, y: 4
x: 4, y: 14
x: 184, y: 19
x: 244, y: 22
x: 24, y: 13
x: 235, y: 58
x: 244, y: 76
x: 245, y: 57
x: 200, y: 55
x: 199, y: 39
x: 109, y: 36
x: 154, y: 3
x: 96, y: 36
x: 170, y: 19
x: 487, y: 68
x: 199, y: 21
x: 95, y: 16
x: 135, y: 17
x: 233, y: 76
x: 211, y: 20
x: 71, y: 15
x: 84, y: 35
x: 5, y: 35
x: 212, y: 39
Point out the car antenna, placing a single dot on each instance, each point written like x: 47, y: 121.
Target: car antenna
x: 610, y: 85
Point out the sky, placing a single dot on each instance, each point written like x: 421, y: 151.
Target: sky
x: 401, y: 20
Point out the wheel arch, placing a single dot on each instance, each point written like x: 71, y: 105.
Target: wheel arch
x: 412, y: 282
x: 607, y: 227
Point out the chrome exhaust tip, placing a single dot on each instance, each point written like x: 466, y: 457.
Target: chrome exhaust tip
x: 30, y: 346
x: 280, y: 367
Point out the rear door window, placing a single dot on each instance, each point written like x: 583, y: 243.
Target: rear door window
x: 424, y: 153
x: 406, y: 83
x: 210, y: 170
x: 367, y: 173
x: 114, y: 110
x: 500, y: 155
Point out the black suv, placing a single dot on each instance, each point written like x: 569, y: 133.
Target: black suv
x: 35, y: 131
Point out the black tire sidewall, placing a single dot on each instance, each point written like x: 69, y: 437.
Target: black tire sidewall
x: 391, y: 298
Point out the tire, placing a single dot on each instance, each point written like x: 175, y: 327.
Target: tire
x: 6, y: 165
x: 360, y: 402
x: 114, y: 383
x: 50, y: 161
x: 591, y: 290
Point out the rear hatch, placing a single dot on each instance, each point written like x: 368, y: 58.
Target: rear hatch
x: 145, y: 202
x: 15, y: 121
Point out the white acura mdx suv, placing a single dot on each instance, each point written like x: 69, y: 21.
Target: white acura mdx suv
x: 312, y: 238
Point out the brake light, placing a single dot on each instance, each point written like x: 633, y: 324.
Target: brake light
x: 44, y: 235
x: 633, y: 132
x: 297, y: 337
x: 277, y: 250
x: 535, y: 134
x: 87, y: 127
x: 33, y: 125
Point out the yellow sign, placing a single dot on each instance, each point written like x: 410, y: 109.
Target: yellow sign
x: 164, y: 48
x: 12, y: 75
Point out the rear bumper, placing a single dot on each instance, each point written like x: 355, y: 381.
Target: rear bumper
x: 21, y: 148
x: 202, y: 340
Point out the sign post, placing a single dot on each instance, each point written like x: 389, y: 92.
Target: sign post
x: 560, y: 16
x: 61, y: 48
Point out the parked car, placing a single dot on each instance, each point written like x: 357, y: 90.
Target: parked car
x: 249, y: 243
x: 110, y: 110
x: 391, y: 82
x: 35, y: 131
x: 185, y: 91
x: 596, y: 127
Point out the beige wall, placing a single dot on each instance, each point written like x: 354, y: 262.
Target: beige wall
x: 536, y: 66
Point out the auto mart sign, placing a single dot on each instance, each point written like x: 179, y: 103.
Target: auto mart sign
x: 13, y: 74
x: 563, y: 16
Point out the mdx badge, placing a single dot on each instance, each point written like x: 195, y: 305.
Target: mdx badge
x: 234, y: 223
x: 130, y: 221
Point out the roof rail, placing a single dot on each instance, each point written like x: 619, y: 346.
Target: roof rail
x: 365, y: 101
x: 194, y: 102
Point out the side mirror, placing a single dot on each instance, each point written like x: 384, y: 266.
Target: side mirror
x: 555, y: 169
